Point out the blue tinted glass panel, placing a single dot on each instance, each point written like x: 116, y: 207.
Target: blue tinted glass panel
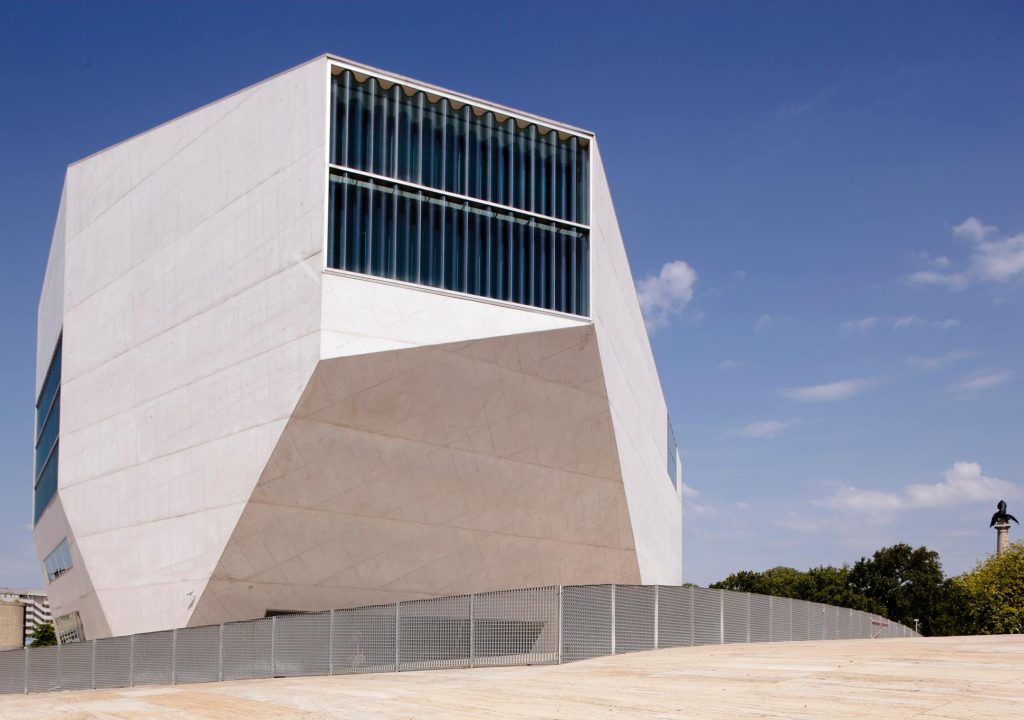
x: 409, y: 135
x: 434, y: 240
x: 47, y: 436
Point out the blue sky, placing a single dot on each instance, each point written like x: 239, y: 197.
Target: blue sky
x: 822, y: 204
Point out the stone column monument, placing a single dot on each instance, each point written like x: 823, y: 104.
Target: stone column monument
x: 1001, y: 522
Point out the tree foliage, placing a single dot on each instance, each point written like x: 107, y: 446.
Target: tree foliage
x: 825, y: 584
x: 43, y: 635
x: 909, y: 584
x: 900, y: 582
x: 992, y: 595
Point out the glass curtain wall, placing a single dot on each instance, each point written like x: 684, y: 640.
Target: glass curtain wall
x: 47, y: 436
x: 384, y: 229
x: 436, y: 238
x: 409, y: 135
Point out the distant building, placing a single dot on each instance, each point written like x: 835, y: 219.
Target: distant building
x: 36, y: 611
x: 12, y: 625
x: 342, y: 338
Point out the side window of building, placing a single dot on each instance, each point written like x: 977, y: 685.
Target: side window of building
x: 673, y: 470
x: 58, y: 562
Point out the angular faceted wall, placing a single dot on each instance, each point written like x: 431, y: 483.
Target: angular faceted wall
x: 276, y: 395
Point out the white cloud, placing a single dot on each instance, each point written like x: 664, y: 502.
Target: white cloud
x: 729, y: 365
x: 907, y: 321
x: 950, y: 281
x: 995, y: 257
x: 666, y: 294
x: 962, y: 483
x: 983, y: 381
x: 859, y: 327
x: 863, y: 326
x: 974, y: 230
x: 742, y: 505
x: 947, y: 324
x: 763, y: 430
x: 938, y: 361
x: 829, y: 391
x: 690, y: 492
x: 764, y: 323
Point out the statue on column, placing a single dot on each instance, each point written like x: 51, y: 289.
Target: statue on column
x: 1001, y: 517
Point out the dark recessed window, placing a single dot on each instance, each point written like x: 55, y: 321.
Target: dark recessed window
x: 47, y: 436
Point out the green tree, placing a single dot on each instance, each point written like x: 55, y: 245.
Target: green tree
x: 992, y: 595
x: 43, y: 634
x: 907, y: 583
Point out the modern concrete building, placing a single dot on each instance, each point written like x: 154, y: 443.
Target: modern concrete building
x: 343, y: 338
x: 34, y: 610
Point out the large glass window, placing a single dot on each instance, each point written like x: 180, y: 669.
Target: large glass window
x: 383, y: 128
x: 47, y: 436
x: 403, y: 233
x: 504, y: 213
x: 58, y: 562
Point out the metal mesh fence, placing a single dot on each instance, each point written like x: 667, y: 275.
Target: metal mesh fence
x: 634, y: 618
x: 782, y: 619
x: 760, y: 618
x: 302, y: 644
x: 515, y: 627
x: 800, y: 612
x: 247, y: 649
x: 197, y: 654
x: 707, y: 616
x: 434, y: 634
x: 153, y: 658
x: 43, y: 669
x: 735, y: 617
x: 113, y: 662
x: 76, y: 666
x: 816, y: 621
x: 364, y: 640
x: 507, y: 627
x: 675, y: 616
x: 12, y: 671
x: 586, y: 622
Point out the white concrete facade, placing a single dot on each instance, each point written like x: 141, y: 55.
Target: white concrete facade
x: 243, y: 429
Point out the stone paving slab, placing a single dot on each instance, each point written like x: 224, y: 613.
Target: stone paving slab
x: 926, y: 679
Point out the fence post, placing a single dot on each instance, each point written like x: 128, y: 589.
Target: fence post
x: 220, y: 653
x: 791, y: 620
x: 330, y: 646
x: 398, y: 637
x: 26, y: 671
x: 559, y: 624
x: 273, y: 643
x: 174, y: 653
x: 692, y: 641
x: 59, y: 673
x: 656, y: 605
x: 721, y: 617
x: 613, y: 619
x: 771, y: 618
x: 472, y: 630
x: 93, y: 664
x: 748, y: 617
x: 131, y: 661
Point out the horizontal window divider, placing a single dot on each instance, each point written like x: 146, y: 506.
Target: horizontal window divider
x: 426, y: 189
x: 435, y: 290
